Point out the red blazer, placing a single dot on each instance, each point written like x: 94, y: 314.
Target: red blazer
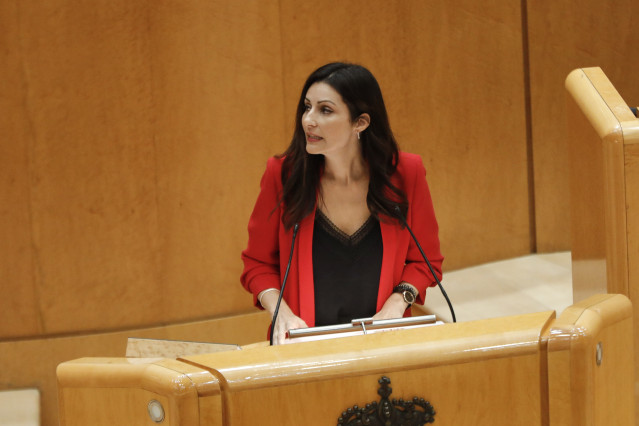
x: 269, y: 244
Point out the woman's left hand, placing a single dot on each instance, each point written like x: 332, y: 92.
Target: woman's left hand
x: 394, y: 307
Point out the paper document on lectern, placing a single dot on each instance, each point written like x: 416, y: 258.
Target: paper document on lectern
x: 159, y: 348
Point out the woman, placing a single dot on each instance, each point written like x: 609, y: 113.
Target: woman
x: 344, y: 182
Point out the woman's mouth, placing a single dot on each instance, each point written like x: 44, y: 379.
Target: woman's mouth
x: 313, y: 138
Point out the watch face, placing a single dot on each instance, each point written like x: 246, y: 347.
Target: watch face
x: 409, y: 297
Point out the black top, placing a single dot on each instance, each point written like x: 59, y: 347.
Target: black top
x: 346, y: 271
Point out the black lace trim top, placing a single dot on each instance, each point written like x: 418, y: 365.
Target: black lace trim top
x: 346, y: 271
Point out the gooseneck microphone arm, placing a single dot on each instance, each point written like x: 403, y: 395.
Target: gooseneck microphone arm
x: 279, y: 299
x: 401, y: 217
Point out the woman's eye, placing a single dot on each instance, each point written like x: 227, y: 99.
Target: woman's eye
x: 326, y: 110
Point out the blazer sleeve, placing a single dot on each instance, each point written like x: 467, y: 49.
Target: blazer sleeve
x: 421, y: 219
x: 261, y: 256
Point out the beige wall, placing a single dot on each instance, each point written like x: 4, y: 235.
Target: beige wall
x: 134, y: 134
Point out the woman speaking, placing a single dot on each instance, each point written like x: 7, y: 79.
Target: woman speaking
x: 344, y: 188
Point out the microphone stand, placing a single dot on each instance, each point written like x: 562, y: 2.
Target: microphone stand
x: 279, y: 299
x: 450, y: 306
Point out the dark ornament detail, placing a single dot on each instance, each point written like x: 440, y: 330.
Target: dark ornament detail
x: 389, y: 413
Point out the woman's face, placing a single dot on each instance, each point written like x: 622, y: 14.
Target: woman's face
x: 327, y: 121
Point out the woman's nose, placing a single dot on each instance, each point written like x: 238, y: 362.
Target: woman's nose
x: 308, y: 119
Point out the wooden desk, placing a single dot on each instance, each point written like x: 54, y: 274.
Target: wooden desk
x: 529, y: 369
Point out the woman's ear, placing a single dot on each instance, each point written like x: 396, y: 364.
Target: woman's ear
x: 362, y: 122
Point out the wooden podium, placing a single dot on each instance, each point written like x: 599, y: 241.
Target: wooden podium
x: 531, y: 369
x: 604, y: 151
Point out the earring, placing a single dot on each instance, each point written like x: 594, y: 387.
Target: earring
x: 357, y: 135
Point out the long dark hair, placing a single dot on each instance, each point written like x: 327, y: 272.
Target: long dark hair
x: 301, y: 171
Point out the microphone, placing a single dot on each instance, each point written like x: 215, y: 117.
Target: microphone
x: 401, y: 217
x: 279, y: 299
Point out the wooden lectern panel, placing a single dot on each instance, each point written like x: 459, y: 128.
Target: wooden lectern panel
x: 604, y: 143
x: 603, y: 137
x: 118, y: 391
x: 474, y: 364
x: 600, y: 126
x: 529, y: 369
x: 590, y: 363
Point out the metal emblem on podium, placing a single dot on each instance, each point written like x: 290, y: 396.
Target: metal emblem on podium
x: 388, y: 412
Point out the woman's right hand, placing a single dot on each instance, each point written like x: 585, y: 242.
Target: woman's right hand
x: 286, y: 319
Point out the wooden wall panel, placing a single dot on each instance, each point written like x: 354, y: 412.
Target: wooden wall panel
x: 218, y: 80
x: 93, y: 180
x: 563, y: 36
x: 133, y: 128
x: 452, y: 77
x: 19, y: 302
